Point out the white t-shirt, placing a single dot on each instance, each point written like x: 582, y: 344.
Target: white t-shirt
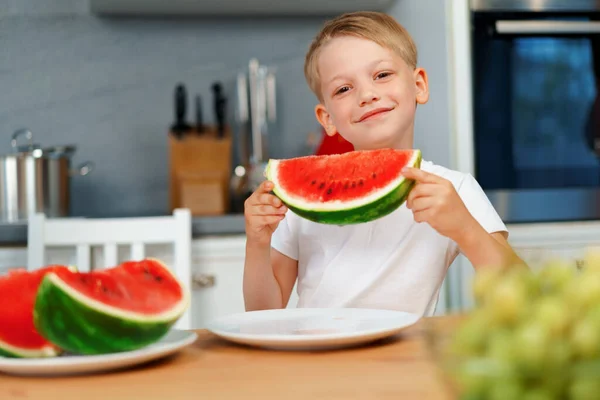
x: 390, y: 263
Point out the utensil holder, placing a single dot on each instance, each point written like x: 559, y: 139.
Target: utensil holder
x: 199, y: 171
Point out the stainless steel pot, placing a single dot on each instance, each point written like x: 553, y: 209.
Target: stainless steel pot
x: 33, y: 179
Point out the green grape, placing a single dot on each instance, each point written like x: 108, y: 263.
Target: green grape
x: 503, y: 389
x: 537, y: 393
x: 584, y: 389
x: 471, y: 335
x: 501, y: 346
x: 471, y: 377
x: 553, y: 314
x: 583, y: 292
x: 507, y: 301
x: 591, y: 260
x: 585, y: 338
x: 531, y: 345
x: 558, y: 355
x: 555, y: 382
x: 484, y: 281
x: 593, y: 313
x: 472, y: 396
x: 555, y: 276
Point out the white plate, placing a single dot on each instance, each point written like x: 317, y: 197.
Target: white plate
x: 173, y: 341
x: 311, y: 328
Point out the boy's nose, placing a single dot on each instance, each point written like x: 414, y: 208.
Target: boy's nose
x: 368, y: 96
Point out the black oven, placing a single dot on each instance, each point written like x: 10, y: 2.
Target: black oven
x: 536, y: 97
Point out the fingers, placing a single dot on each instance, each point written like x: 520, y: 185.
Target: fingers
x: 268, y: 199
x: 265, y: 187
x: 419, y: 175
x: 270, y: 219
x: 422, y: 216
x: 263, y: 209
x: 421, y: 204
x: 262, y: 204
x: 421, y: 190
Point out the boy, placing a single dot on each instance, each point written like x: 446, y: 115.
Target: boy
x: 362, y: 68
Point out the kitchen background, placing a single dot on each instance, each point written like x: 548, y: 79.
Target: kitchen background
x: 106, y: 85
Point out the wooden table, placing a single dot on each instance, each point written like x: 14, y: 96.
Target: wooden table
x: 395, y: 368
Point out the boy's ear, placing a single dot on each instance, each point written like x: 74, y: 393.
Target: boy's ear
x: 422, y: 85
x: 324, y: 119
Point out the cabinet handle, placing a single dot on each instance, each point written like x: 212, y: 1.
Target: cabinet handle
x: 201, y: 281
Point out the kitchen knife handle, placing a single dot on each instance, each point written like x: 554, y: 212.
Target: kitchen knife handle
x: 180, y: 103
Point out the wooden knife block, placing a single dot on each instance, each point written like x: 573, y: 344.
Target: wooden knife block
x: 200, y: 171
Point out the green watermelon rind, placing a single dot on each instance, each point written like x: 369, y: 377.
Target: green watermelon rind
x: 82, y: 325
x: 379, y: 205
x: 9, y: 351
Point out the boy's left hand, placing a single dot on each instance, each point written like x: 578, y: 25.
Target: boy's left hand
x: 435, y: 201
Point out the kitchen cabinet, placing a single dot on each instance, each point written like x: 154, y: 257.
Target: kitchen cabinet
x: 235, y: 7
x: 535, y: 244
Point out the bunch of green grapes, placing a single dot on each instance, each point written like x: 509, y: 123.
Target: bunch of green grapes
x: 532, y: 335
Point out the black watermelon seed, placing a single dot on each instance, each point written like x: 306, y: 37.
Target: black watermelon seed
x: 353, y: 184
x: 360, y: 182
x: 346, y: 186
x: 313, y: 182
x: 374, y: 175
x: 329, y: 191
x: 158, y: 278
x: 322, y: 185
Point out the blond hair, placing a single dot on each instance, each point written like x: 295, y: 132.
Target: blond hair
x: 375, y: 26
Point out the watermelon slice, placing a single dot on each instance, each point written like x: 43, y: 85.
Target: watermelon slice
x: 18, y: 336
x: 350, y: 188
x: 116, y: 309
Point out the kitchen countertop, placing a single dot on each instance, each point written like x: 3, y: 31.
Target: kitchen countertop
x: 513, y: 207
x: 16, y: 234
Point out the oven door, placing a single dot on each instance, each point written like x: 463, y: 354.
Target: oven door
x: 536, y: 85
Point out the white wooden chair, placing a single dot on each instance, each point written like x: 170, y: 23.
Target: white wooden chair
x: 83, y: 233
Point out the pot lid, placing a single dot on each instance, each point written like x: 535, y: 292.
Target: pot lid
x: 60, y: 151
x: 30, y: 147
x: 34, y: 149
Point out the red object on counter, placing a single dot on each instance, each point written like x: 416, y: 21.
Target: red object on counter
x: 334, y: 144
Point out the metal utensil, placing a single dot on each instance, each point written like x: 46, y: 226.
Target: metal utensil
x: 34, y: 180
x: 220, y: 103
x: 180, y: 126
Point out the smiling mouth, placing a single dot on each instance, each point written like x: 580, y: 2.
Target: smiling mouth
x: 374, y: 113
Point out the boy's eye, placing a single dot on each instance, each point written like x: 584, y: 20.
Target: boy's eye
x: 383, y: 75
x: 342, y: 90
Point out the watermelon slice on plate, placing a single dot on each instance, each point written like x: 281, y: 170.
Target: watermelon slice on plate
x: 350, y: 188
x: 117, y: 309
x: 18, y: 336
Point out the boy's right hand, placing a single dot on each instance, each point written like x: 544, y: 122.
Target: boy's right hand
x: 263, y: 212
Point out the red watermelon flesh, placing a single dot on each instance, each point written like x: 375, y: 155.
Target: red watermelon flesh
x: 351, y: 188
x: 145, y: 287
x: 110, y: 310
x: 341, y: 177
x: 18, y: 336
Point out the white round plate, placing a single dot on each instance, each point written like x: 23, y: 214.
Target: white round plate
x: 173, y: 341
x: 311, y: 328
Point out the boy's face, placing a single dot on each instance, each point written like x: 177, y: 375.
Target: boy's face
x: 369, y: 94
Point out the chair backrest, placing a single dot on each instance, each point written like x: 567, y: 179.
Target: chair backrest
x: 83, y: 233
